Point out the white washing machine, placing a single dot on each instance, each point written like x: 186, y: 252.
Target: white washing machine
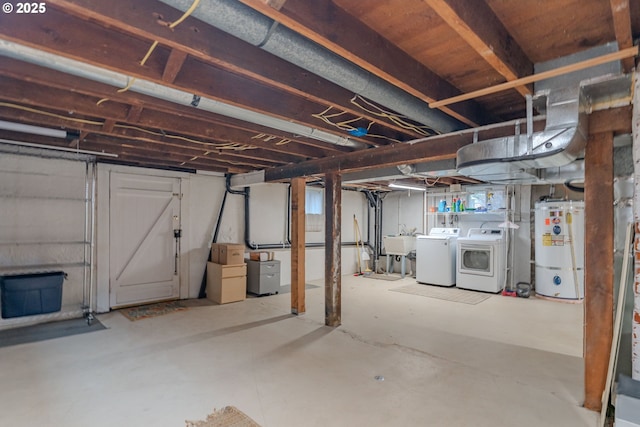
x: 481, y: 260
x: 436, y: 257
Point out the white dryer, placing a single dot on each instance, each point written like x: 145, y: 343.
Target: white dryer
x: 436, y: 257
x: 482, y: 260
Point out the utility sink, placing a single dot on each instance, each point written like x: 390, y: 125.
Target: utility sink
x: 399, y: 245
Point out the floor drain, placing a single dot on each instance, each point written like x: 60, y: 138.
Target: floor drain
x: 378, y: 378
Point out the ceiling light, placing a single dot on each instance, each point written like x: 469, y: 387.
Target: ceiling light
x: 406, y: 187
x: 35, y: 130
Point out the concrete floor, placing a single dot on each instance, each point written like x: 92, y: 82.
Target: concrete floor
x: 503, y: 362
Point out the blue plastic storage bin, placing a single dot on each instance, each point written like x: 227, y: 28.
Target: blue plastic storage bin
x: 30, y: 294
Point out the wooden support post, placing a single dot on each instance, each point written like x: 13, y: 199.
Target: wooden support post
x: 598, y: 300
x: 332, y: 285
x: 635, y: 321
x: 298, y: 245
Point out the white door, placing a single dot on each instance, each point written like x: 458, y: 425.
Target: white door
x: 144, y: 212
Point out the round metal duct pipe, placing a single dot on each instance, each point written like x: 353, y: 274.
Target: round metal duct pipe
x: 252, y: 27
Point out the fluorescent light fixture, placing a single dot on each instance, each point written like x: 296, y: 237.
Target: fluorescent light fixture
x: 407, y: 187
x: 52, y: 147
x: 35, y: 130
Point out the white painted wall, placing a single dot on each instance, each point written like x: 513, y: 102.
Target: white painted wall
x: 268, y: 219
x: 202, y: 199
x: 38, y: 220
x: 404, y: 210
x: 42, y: 225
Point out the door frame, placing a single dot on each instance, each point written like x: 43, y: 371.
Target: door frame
x: 102, y: 247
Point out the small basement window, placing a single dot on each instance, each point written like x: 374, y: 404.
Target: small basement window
x: 314, y: 209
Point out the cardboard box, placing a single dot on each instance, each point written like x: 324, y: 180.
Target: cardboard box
x: 231, y: 289
x: 222, y: 271
x: 226, y: 283
x: 230, y: 253
x: 261, y: 256
x: 215, y: 252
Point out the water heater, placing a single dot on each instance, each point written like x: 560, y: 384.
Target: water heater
x: 559, y: 249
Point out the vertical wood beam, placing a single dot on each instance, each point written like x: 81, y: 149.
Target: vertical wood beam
x: 598, y: 280
x: 298, y: 186
x: 332, y: 257
x: 635, y: 323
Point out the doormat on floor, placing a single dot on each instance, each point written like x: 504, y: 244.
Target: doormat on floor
x: 439, y: 292
x: 47, y: 331
x: 152, y: 310
x: 389, y: 277
x: 229, y: 416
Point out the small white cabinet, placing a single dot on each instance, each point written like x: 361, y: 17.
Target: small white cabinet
x: 263, y: 277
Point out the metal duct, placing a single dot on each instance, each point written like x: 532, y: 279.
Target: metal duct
x: 119, y: 80
x: 252, y: 27
x: 516, y: 158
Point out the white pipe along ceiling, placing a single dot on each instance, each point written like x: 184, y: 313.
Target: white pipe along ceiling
x: 145, y: 87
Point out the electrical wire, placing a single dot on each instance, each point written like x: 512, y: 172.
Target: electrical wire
x: 153, y: 47
x: 268, y: 138
x: 224, y: 146
x: 426, y: 181
x: 345, y: 124
x: 397, y: 119
x: 46, y: 113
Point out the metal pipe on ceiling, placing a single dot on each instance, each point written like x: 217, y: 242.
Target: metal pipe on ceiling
x: 252, y: 27
x: 145, y: 87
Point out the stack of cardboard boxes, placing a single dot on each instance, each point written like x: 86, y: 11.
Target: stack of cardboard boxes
x: 226, y: 273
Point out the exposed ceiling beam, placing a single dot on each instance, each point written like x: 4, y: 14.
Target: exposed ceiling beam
x: 591, y: 62
x: 440, y: 147
x: 219, y: 128
x: 174, y: 64
x: 132, y: 149
x: 249, y: 157
x: 72, y: 106
x: 122, y: 53
x: 434, y: 148
x: 147, y: 19
x: 484, y: 32
x: 331, y: 27
x: 276, y: 4
x: 621, y: 13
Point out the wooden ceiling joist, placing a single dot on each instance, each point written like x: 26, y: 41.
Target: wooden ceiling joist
x: 43, y: 96
x: 174, y: 64
x: 331, y: 27
x: 43, y: 99
x: 30, y: 73
x: 217, y: 48
x: 122, y: 53
x: 484, y: 32
x: 621, y: 13
x: 251, y: 157
x: 438, y: 147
